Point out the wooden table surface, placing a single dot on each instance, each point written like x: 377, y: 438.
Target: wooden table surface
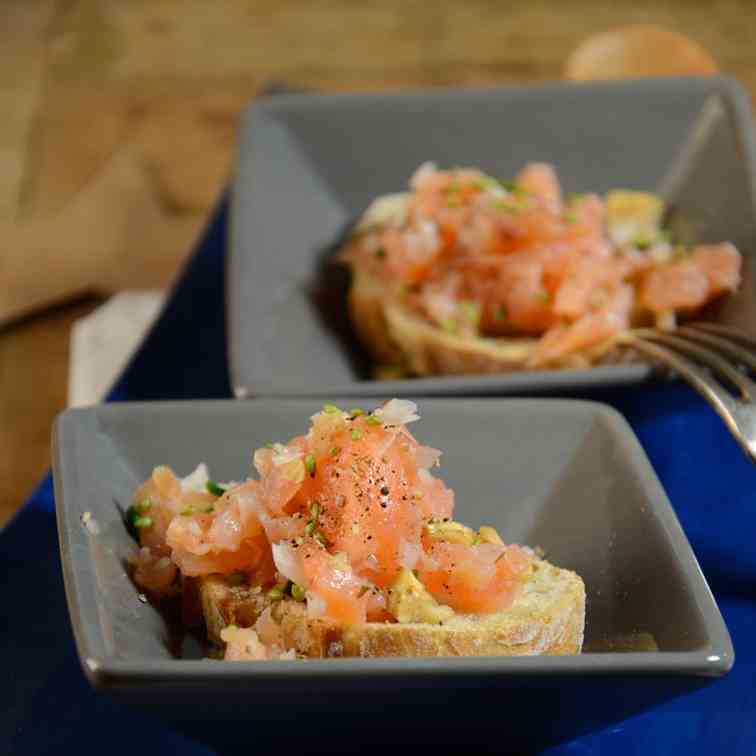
x: 81, y: 80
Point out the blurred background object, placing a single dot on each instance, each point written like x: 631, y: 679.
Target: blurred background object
x: 635, y: 51
x: 119, y: 121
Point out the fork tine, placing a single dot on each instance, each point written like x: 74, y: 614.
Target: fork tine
x: 709, y: 359
x: 729, y: 348
x: 710, y: 389
x: 723, y: 330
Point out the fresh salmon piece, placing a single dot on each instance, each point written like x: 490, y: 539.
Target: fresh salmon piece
x: 251, y: 556
x: 154, y: 572
x: 721, y: 263
x: 412, y: 254
x: 472, y: 579
x: 332, y: 587
x: 540, y: 179
x: 682, y: 285
x: 364, y: 493
x: 590, y: 330
x: 583, y: 284
x: 158, y: 498
x: 230, y: 537
x: 528, y: 301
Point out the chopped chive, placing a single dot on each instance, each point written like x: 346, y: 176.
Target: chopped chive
x: 310, y: 464
x: 449, y: 324
x: 356, y: 434
x: 131, y: 516
x: 144, y: 505
x: 315, y: 510
x: 574, y: 197
x: 477, y: 540
x: 309, y: 528
x: 297, y: 592
x: 416, y: 573
x: 276, y: 593
x: 470, y: 312
x: 642, y: 244
x: 209, y: 509
x: 453, y: 202
x: 356, y: 412
x: 380, y: 253
x: 334, y: 450
x: 187, y: 511
x: 363, y: 590
x: 374, y: 420
x: 569, y: 217
x: 543, y: 296
x: 513, y: 187
x: 270, y: 445
x: 236, y: 578
x: 215, y: 488
x: 330, y: 409
x: 486, y: 182
x: 320, y: 537
x: 232, y: 627
x: 142, y: 522
x: 500, y: 313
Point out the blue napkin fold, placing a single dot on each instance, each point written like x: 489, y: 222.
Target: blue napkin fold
x: 46, y: 706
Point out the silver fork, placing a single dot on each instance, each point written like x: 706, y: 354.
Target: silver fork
x: 715, y: 360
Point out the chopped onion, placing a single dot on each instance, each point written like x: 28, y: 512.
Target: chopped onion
x: 424, y: 476
x: 397, y: 412
x: 287, y: 563
x: 225, y: 532
x: 422, y: 174
x: 196, y: 480
x: 316, y: 606
x: 385, y: 445
x: 422, y: 241
x: 409, y: 554
x: 283, y: 454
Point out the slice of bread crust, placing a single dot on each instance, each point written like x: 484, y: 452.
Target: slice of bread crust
x: 547, y: 618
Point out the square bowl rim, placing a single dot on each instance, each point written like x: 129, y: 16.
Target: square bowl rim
x: 714, y: 658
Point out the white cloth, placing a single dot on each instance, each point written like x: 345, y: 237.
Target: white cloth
x: 103, y: 342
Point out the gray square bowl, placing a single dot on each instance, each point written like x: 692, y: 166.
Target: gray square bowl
x: 309, y: 165
x: 568, y: 476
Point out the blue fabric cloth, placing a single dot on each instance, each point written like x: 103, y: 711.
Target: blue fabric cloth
x: 49, y: 708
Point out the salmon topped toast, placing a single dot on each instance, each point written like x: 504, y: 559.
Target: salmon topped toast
x: 345, y: 545
x: 467, y: 274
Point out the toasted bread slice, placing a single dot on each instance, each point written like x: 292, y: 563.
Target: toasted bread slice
x: 547, y: 618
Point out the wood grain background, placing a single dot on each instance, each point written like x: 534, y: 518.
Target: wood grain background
x: 82, y: 80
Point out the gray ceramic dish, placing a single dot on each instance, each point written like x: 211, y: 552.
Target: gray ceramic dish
x: 309, y: 165
x: 564, y: 475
